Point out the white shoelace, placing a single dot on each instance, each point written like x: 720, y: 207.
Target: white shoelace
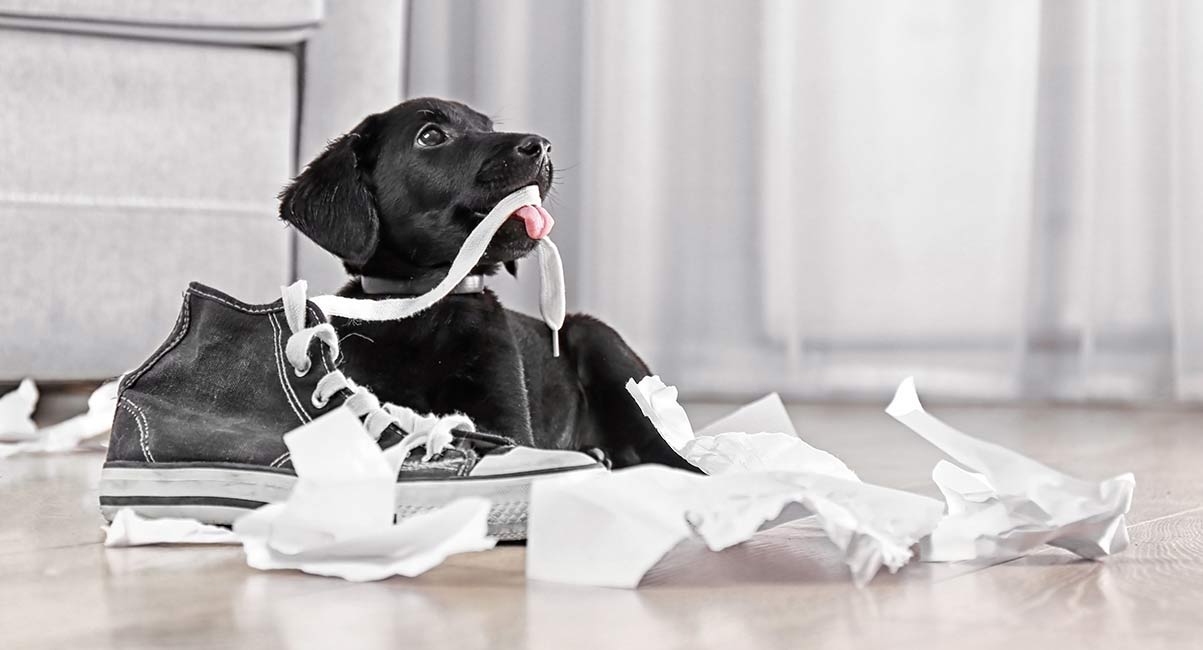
x: 551, y: 275
x: 431, y: 431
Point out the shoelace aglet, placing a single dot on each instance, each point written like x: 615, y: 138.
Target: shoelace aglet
x: 555, y: 343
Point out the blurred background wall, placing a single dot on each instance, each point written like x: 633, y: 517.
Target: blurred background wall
x: 816, y: 197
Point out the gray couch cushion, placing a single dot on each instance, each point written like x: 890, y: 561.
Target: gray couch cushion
x: 127, y: 169
x: 105, y: 121
x: 90, y: 291
x: 263, y: 22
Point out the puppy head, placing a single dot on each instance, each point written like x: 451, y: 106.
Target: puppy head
x: 400, y: 193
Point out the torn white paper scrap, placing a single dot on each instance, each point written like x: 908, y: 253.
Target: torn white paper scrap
x: 98, y: 420
x: 610, y: 529
x: 606, y: 530
x: 766, y: 414
x: 16, y: 413
x: 338, y: 521
x: 412, y: 547
x: 874, y: 526
x: 659, y: 404
x: 69, y: 434
x: 1010, y: 503
x: 761, y: 448
x: 131, y: 529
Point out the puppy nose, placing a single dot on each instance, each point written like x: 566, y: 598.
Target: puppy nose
x: 533, y: 146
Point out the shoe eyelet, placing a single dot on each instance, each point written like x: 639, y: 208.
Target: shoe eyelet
x: 301, y: 372
x: 317, y: 401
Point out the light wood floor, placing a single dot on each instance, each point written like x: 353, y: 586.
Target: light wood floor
x: 59, y: 588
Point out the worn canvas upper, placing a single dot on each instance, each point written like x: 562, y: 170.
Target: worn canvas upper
x: 219, y: 390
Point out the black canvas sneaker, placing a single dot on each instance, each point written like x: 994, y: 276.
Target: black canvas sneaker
x: 199, y: 426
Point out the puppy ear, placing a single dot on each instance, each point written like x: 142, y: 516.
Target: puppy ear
x: 512, y: 267
x: 331, y: 203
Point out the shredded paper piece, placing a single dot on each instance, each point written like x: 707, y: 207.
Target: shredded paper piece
x: 131, y: 529
x: 1010, y: 504
x: 19, y: 435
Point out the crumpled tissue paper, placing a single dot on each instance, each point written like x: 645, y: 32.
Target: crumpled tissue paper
x: 16, y: 413
x: 611, y: 529
x: 762, y: 445
x: 18, y: 434
x: 131, y: 529
x: 765, y: 414
x: 338, y: 519
x: 1011, y: 504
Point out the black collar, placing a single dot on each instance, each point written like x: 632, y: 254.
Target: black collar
x: 387, y: 286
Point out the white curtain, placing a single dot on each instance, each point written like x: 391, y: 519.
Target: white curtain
x: 821, y: 197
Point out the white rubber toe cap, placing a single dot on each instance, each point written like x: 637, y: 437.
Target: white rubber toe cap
x: 522, y: 460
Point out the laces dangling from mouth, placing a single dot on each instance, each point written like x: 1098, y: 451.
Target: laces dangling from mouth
x: 551, y: 274
x: 430, y: 431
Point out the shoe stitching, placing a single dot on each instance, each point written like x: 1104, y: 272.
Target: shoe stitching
x: 143, y: 426
x: 181, y: 322
x: 325, y: 362
x: 285, y: 366
x: 242, y: 308
x: 293, y: 402
x: 288, y: 394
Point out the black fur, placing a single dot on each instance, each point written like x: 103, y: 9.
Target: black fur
x: 391, y: 206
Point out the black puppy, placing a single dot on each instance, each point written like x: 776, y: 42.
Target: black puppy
x: 395, y: 199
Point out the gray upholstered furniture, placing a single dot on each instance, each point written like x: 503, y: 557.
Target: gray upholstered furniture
x: 142, y: 145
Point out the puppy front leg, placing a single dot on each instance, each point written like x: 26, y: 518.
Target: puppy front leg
x: 491, y: 391
x: 604, y: 362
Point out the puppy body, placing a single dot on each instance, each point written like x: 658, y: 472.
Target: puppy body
x: 395, y: 199
x: 469, y: 354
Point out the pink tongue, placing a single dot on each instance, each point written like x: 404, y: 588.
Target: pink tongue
x: 538, y: 221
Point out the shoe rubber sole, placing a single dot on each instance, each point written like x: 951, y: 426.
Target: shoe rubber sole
x: 214, y: 493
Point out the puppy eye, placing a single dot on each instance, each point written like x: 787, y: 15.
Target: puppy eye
x: 431, y: 136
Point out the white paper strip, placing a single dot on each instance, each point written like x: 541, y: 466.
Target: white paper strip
x: 1011, y: 504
